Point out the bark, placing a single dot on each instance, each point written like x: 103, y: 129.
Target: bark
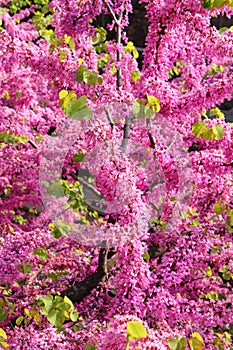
x: 81, y: 289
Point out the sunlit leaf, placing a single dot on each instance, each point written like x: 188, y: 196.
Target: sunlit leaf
x: 41, y: 253
x: 135, y: 330
x: 196, y: 342
x: 218, y: 132
x: 176, y: 343
x: 3, y: 334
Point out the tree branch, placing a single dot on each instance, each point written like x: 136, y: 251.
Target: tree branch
x: 32, y: 144
x: 85, y: 183
x: 118, y: 38
x: 118, y: 50
x: 81, y: 289
x: 117, y: 21
x: 111, y: 122
x: 128, y: 122
x: 90, y: 202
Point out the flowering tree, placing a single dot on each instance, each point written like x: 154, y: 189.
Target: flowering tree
x: 139, y: 257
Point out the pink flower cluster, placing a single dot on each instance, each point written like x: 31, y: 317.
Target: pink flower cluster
x: 174, y: 282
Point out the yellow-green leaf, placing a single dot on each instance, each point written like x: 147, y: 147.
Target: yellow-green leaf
x: 135, y: 75
x: 3, y: 333
x: 63, y: 94
x: 136, y: 330
x: 196, y: 342
x: 19, y: 320
x: 154, y: 103
x: 218, y: 131
x: 37, y: 317
x: 198, y: 129
x: 3, y: 314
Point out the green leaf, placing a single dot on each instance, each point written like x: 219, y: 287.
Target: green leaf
x: 146, y: 256
x: 85, y: 113
x: 4, y: 344
x: 79, y: 74
x: 56, y: 318
x: 78, y: 157
x: 209, y: 272
x: 90, y: 78
x: 26, y: 267
x: 53, y: 276
x: 47, y: 301
x: 138, y: 110
x: 230, y: 215
x: 55, y: 188
x: 63, y: 55
x: 19, y: 320
x: 41, y: 253
x: 73, y: 107
x: 90, y: 347
x: 52, y: 317
x: 176, y: 343
x: 72, y: 45
x: 210, y: 4
x: 63, y: 94
x: 132, y: 49
x: 196, y: 342
x: 135, y: 75
x: 74, y: 316
x: 3, y: 315
x: 208, y: 134
x: 154, y: 103
x: 198, y: 129
x: 218, y: 132
x: 218, y: 3
x: 219, y: 207
x: 69, y: 41
x: 69, y: 302
x: 37, y: 317
x: 223, y: 29
x: 100, y: 36
x: 216, y: 112
x: 76, y: 328
x: 3, y: 334
x: 77, y: 110
x: 207, y: 4
x: 61, y: 229
x: 149, y: 112
x: 38, y: 138
x: 228, y: 225
x: 100, y: 80
x: 136, y: 330
x: 23, y: 139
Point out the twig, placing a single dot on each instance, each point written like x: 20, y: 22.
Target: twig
x: 33, y: 144
x: 225, y: 164
x: 92, y: 189
x: 117, y: 21
x: 83, y: 182
x: 151, y: 137
x: 152, y: 140
x: 118, y: 39
x: 128, y: 122
x: 111, y: 122
x: 118, y: 50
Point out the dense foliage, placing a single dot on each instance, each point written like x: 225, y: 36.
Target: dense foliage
x: 151, y: 279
